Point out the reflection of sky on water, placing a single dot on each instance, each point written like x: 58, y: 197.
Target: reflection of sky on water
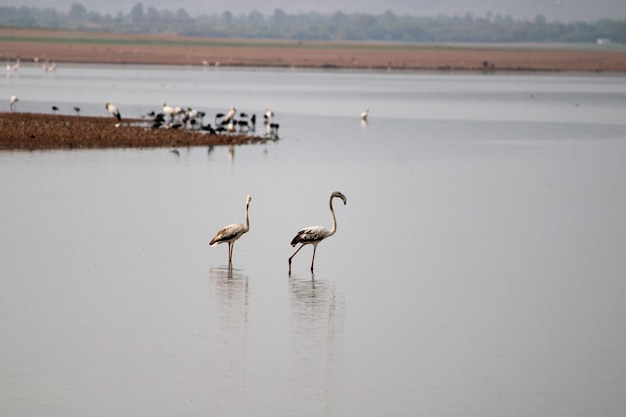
x: 478, y: 265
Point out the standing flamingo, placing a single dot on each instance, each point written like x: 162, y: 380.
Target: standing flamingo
x: 315, y: 234
x: 231, y: 233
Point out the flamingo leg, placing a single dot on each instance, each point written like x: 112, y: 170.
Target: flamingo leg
x: 313, y: 259
x: 230, y: 253
x: 294, y: 254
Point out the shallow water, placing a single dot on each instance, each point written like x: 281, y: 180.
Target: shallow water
x: 477, y: 267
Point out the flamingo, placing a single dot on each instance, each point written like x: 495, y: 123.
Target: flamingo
x: 313, y: 235
x: 229, y: 234
x: 13, y: 102
x: 114, y: 111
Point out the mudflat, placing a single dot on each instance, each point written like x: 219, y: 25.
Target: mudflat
x: 29, y: 131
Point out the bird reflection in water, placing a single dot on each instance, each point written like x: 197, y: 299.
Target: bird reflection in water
x: 230, y: 285
x: 317, y: 323
x: 230, y: 312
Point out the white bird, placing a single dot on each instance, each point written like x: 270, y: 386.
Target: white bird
x: 231, y: 113
x: 364, y: 114
x: 114, y: 111
x: 313, y: 235
x: 49, y: 67
x: 268, y: 115
x: 168, y: 110
x: 230, y: 128
x: 229, y: 234
x: 13, y: 102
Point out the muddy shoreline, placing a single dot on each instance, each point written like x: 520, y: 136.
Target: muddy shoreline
x: 29, y: 131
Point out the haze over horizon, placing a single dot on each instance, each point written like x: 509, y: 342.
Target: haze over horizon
x: 553, y: 10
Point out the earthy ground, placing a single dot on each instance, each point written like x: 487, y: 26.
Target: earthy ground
x: 27, y: 131
x: 89, y: 47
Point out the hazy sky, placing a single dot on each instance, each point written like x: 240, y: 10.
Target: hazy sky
x: 553, y: 10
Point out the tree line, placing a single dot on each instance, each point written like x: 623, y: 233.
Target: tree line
x: 319, y: 27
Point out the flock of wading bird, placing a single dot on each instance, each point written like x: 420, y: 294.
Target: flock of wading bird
x: 311, y: 235
x: 230, y: 122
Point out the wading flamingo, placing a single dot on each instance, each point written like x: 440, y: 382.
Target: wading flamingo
x: 313, y: 235
x: 229, y: 234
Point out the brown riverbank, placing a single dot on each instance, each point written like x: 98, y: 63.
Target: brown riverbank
x: 60, y: 46
x: 27, y: 131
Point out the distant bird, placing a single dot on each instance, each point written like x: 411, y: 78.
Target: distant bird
x: 364, y: 115
x: 231, y: 233
x: 114, y: 111
x: 271, y: 130
x: 230, y: 127
x: 168, y: 110
x: 14, y: 67
x: 55, y: 109
x: 268, y: 115
x: 231, y: 113
x: 77, y: 110
x: 13, y: 102
x: 49, y: 67
x: 313, y: 235
x: 209, y: 129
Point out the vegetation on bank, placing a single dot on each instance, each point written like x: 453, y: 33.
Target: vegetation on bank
x: 319, y: 27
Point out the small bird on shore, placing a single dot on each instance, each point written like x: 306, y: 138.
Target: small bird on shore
x: 114, y: 111
x: 13, y: 102
x: 364, y: 115
x: 229, y: 234
x: 231, y: 114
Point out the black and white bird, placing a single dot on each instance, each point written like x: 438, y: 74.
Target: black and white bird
x: 13, y: 102
x: 313, y: 235
x: 229, y: 234
x: 364, y: 115
x: 114, y: 111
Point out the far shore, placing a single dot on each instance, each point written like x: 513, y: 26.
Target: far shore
x: 62, y: 46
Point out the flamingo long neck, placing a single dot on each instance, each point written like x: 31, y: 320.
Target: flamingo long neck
x: 333, y: 229
x: 247, y: 220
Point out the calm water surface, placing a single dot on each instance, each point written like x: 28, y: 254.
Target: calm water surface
x: 478, y: 267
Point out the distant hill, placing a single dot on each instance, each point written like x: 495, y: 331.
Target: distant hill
x: 553, y: 10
